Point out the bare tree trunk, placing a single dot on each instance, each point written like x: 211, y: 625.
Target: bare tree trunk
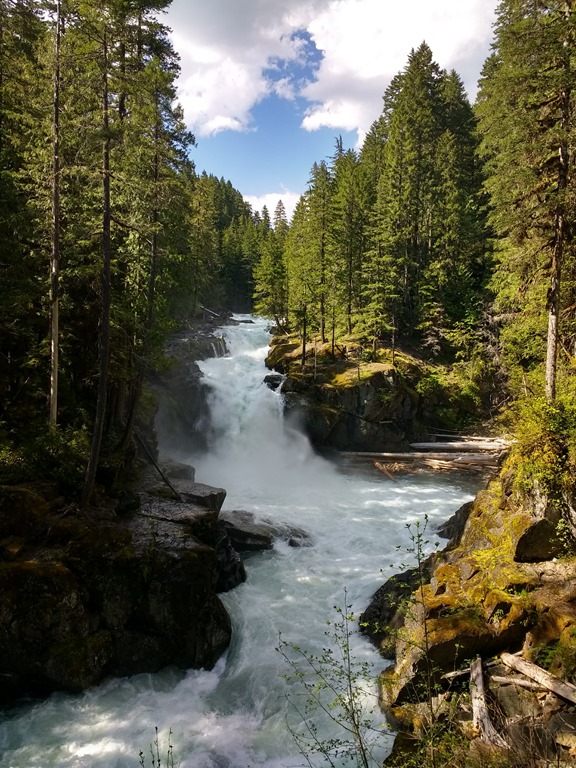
x: 480, y: 714
x: 534, y: 672
x: 553, y: 303
x: 333, y: 342
x: 141, y: 365
x: 304, y: 334
x: 323, y: 285
x: 104, y: 339
x: 553, y: 324
x: 55, y: 254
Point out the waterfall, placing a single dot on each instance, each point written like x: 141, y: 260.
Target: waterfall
x: 234, y: 716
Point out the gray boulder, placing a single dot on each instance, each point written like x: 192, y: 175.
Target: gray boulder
x: 248, y: 534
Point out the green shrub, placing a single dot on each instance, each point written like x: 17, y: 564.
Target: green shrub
x: 56, y: 455
x: 546, y: 445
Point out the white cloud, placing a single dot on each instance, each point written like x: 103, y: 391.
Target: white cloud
x: 270, y: 200
x: 226, y: 45
x: 366, y: 42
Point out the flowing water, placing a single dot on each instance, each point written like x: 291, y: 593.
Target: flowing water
x: 234, y: 716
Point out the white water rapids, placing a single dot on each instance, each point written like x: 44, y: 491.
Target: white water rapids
x: 235, y: 715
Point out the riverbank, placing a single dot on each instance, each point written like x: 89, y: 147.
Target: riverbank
x: 505, y: 584
x: 126, y: 587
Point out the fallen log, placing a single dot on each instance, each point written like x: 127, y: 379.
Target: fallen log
x: 531, y: 685
x: 449, y: 438
x: 470, y: 458
x: 461, y: 446
x: 480, y: 714
x: 552, y: 683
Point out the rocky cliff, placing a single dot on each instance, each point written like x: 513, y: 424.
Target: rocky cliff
x: 350, y: 399
x: 113, y: 592
x: 344, y: 405
x: 181, y: 418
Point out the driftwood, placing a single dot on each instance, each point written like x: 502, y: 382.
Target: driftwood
x: 452, y: 437
x: 550, y: 682
x: 382, y: 468
x: 531, y: 685
x: 466, y: 670
x: 457, y: 452
x: 471, y: 458
x: 419, y: 460
x: 480, y: 715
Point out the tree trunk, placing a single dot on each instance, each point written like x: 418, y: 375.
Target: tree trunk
x: 304, y: 333
x: 141, y: 365
x: 104, y: 339
x: 552, y: 683
x: 323, y: 285
x: 55, y: 254
x: 480, y: 714
x: 559, y: 230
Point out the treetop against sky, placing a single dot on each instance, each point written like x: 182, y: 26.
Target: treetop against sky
x: 266, y: 87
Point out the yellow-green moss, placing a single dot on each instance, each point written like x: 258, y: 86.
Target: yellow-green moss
x: 354, y: 374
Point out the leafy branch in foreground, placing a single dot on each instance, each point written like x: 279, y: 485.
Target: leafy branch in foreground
x: 156, y: 757
x: 337, y: 697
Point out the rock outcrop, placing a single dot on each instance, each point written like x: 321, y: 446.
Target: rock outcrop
x: 373, y: 413
x: 84, y: 596
x: 496, y: 588
x: 342, y: 405
x: 181, y: 421
x: 249, y: 534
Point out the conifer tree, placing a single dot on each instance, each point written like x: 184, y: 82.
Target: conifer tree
x: 406, y: 192
x: 526, y: 109
x: 270, y: 271
x: 348, y: 220
x: 23, y: 284
x: 319, y: 204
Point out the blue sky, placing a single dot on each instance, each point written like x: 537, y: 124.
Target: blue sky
x: 268, y: 85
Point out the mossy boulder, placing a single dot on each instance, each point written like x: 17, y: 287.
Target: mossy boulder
x: 480, y: 600
x: 23, y: 512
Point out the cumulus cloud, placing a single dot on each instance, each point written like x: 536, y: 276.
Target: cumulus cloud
x: 226, y: 47
x: 366, y: 42
x: 229, y: 50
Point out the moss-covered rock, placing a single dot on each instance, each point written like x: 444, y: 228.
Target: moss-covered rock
x: 23, y: 512
x: 480, y: 601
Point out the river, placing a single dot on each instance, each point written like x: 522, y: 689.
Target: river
x: 235, y: 715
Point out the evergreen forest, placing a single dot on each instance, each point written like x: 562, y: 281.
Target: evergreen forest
x: 449, y: 233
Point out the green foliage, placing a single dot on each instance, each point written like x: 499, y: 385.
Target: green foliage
x: 175, y: 241
x: 451, y: 396
x: 56, y: 455
x: 525, y: 109
x: 559, y: 656
x: 335, y: 691
x: 545, y: 450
